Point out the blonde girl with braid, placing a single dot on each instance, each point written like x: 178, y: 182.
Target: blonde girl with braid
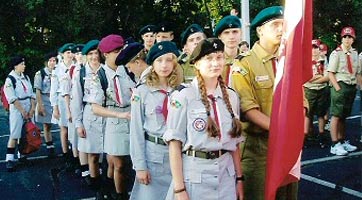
x: 203, y: 132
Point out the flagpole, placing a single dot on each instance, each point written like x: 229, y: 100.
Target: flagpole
x: 245, y: 20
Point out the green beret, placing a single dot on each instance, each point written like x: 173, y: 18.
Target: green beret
x: 147, y: 29
x: 66, y: 47
x: 193, y: 28
x: 205, y: 47
x: 229, y: 21
x: 266, y: 15
x: 164, y: 27
x: 77, y: 48
x: 90, y: 46
x: 160, y: 49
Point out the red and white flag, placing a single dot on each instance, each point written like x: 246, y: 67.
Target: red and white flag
x: 287, y: 117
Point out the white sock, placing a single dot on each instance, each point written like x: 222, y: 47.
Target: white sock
x: 9, y: 157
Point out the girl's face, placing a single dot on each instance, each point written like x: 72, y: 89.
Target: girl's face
x: 211, y: 65
x: 20, y: 68
x: 93, y: 56
x: 111, y: 56
x: 149, y: 38
x: 78, y: 57
x: 164, y: 65
x: 68, y: 56
x: 52, y: 62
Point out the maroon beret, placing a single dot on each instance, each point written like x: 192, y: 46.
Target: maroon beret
x: 110, y: 43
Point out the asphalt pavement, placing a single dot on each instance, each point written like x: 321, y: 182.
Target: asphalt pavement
x: 324, y: 176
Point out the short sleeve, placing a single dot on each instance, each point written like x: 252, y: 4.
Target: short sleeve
x: 9, y: 91
x: 177, y: 118
x: 38, y: 81
x: 333, y: 62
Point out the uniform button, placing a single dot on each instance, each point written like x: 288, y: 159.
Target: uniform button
x: 215, y: 176
x: 215, y: 163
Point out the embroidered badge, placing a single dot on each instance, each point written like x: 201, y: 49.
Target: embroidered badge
x: 261, y: 78
x: 175, y: 104
x: 9, y: 85
x: 135, y: 98
x: 199, y: 124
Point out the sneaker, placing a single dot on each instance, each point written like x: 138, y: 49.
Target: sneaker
x: 327, y: 127
x: 338, y: 150
x: 51, y: 153
x: 10, y: 166
x: 348, y: 147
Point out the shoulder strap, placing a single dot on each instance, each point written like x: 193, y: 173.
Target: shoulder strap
x: 42, y: 73
x: 81, y: 78
x: 13, y: 80
x: 104, y: 83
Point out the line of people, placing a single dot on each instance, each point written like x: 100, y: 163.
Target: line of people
x: 174, y: 117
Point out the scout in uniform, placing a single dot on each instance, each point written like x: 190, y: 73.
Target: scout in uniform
x: 149, y: 152
x: 90, y: 127
x: 44, y: 110
x: 19, y: 93
x: 253, y: 79
x: 148, y: 36
x: 228, y: 30
x: 204, y: 132
x: 343, y: 70
x: 66, y: 94
x: 58, y: 79
x: 114, y: 103
x: 164, y: 32
x: 133, y: 57
x: 317, y: 94
x: 192, y: 35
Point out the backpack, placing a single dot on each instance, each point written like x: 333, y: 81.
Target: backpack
x: 4, y: 100
x: 102, y: 77
x: 30, y: 140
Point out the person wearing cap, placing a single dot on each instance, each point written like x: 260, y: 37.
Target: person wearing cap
x: 191, y: 36
x: 203, y: 132
x: 228, y: 30
x: 164, y: 32
x: 114, y: 104
x: 253, y: 79
x: 66, y: 94
x: 133, y: 57
x: 44, y: 110
x: 323, y: 53
x: 344, y: 70
x: 148, y: 36
x: 244, y: 46
x: 19, y: 93
x: 89, y: 127
x: 317, y: 94
x: 58, y: 79
x: 149, y: 152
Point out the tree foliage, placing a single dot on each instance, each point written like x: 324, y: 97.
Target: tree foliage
x: 34, y: 27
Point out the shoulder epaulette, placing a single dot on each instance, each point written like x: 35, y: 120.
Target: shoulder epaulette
x: 242, y: 55
x: 339, y: 49
x: 180, y: 87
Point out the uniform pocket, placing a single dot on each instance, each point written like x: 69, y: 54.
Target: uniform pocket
x: 263, y: 84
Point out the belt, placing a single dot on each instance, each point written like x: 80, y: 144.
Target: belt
x: 206, y: 154
x: 25, y: 98
x: 115, y: 105
x: 155, y: 139
x: 47, y: 94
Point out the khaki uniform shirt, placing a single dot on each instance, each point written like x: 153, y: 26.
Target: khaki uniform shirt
x: 338, y: 65
x: 253, y: 80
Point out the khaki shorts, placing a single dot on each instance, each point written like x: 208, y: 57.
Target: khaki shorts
x: 342, y: 100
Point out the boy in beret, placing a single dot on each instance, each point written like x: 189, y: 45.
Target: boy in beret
x: 344, y: 70
x: 228, y: 30
x: 191, y: 36
x: 164, y: 32
x: 253, y: 79
x: 19, y: 93
x: 147, y: 34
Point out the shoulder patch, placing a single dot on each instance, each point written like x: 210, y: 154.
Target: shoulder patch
x: 239, y: 69
x: 175, y: 104
x: 135, y: 98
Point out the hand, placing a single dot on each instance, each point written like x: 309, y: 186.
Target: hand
x: 41, y: 110
x: 239, y: 190
x: 182, y: 196
x: 338, y: 88
x: 25, y: 114
x: 81, y: 132
x: 143, y: 176
x: 124, y: 115
x: 31, y: 113
x: 56, y: 113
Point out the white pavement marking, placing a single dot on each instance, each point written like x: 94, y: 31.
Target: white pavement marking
x: 325, y: 159
x: 332, y: 185
x: 34, y: 158
x: 52, y: 131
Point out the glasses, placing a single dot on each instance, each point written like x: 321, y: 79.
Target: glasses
x: 347, y: 36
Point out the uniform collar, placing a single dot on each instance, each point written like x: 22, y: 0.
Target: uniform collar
x: 217, y: 94
x: 110, y: 72
x: 261, y: 53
